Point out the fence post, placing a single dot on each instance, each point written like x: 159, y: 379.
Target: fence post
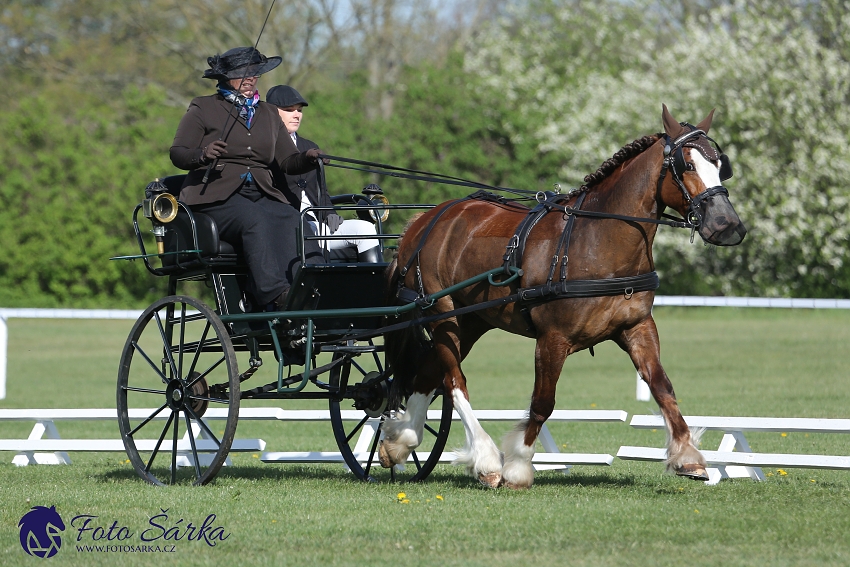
x: 4, y: 334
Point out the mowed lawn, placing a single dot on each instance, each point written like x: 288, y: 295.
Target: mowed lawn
x: 722, y: 361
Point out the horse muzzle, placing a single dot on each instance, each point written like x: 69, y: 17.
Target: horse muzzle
x: 719, y: 223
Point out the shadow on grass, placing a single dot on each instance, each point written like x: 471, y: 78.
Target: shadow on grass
x: 454, y: 478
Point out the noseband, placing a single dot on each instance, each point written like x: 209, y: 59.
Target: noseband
x: 674, y: 160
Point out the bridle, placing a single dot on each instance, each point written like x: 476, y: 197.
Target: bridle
x: 674, y: 160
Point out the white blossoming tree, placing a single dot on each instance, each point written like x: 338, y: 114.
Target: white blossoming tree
x: 585, y: 78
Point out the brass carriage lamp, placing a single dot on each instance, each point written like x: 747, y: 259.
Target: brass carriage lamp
x: 376, y: 195
x: 161, y: 207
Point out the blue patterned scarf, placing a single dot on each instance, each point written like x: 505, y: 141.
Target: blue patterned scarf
x: 246, y: 106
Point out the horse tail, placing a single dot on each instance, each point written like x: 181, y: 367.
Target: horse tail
x: 403, y: 348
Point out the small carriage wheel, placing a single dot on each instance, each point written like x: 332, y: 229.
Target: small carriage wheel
x: 358, y: 438
x: 178, y: 365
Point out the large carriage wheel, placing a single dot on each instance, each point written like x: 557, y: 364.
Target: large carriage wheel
x: 177, y: 365
x: 358, y: 429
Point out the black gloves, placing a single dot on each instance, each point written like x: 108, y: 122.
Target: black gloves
x: 314, y: 153
x: 333, y: 221
x: 214, y: 150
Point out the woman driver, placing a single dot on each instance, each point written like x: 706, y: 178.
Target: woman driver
x: 232, y: 144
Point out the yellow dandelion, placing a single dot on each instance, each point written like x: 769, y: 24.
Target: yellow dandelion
x: 255, y: 456
x: 770, y: 474
x: 439, y: 497
x: 696, y: 511
x: 401, y: 496
x: 784, y: 434
x: 781, y: 472
x: 405, y: 501
x: 593, y: 405
x: 812, y: 480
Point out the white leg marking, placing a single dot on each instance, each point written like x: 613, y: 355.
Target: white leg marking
x: 480, y: 455
x: 403, y: 435
x: 518, y: 471
x: 683, y: 453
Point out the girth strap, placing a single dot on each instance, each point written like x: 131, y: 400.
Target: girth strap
x: 625, y: 286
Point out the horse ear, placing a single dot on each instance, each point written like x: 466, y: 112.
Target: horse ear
x: 706, y: 123
x: 671, y: 125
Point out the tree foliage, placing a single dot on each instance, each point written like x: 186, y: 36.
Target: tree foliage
x: 517, y: 94
x: 599, y: 76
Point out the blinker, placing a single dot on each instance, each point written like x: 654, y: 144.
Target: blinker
x: 725, y: 167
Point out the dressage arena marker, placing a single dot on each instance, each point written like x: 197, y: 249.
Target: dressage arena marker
x: 734, y: 457
x: 45, y: 435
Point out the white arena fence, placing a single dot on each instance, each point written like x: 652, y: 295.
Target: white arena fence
x: 642, y: 391
x: 734, y: 458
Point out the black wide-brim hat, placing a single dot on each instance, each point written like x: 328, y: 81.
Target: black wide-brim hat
x: 238, y: 63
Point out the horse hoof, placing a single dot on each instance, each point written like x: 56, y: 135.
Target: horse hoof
x: 384, y: 456
x: 693, y: 472
x: 490, y: 480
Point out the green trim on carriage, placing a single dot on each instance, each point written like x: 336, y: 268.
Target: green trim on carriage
x: 367, y: 311
x: 146, y: 256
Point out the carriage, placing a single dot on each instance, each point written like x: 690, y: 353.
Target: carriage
x: 184, y: 357
x: 397, y: 362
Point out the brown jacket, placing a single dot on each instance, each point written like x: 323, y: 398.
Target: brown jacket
x: 264, y: 150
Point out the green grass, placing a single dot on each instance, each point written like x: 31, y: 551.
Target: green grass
x: 721, y: 361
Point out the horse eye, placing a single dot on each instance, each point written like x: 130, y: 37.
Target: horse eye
x: 690, y: 167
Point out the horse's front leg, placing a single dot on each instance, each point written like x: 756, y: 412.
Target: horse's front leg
x: 641, y: 342
x: 518, y: 445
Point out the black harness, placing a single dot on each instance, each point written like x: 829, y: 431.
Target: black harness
x: 529, y: 297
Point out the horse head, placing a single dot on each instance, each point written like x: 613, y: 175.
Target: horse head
x: 698, y: 167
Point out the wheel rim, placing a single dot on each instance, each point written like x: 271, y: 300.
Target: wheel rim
x: 358, y: 438
x: 178, y: 365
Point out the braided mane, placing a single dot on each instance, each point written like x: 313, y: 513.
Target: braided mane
x: 623, y: 155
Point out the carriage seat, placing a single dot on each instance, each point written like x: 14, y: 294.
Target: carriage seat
x: 179, y: 235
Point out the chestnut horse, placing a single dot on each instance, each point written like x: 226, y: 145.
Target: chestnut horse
x: 611, y: 238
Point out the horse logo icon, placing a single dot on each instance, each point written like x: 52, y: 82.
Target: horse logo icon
x: 40, y: 531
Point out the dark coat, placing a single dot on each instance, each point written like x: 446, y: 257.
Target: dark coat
x: 306, y: 182
x: 266, y: 150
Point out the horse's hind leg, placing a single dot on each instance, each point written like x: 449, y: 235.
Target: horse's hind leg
x: 641, y: 342
x: 442, y: 367
x: 518, y: 445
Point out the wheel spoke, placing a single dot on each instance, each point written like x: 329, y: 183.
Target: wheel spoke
x: 174, y: 452
x: 377, y: 360
x: 166, y: 343
x: 143, y: 390
x: 203, y: 425
x: 182, y: 340
x: 156, y: 369
x: 431, y: 430
x: 159, y: 442
x: 199, y: 349
x: 203, y: 399
x: 416, y: 460
x: 357, y: 428
x: 372, y: 452
x: 145, y: 422
x: 194, y: 448
x: 358, y: 367
x: 204, y: 374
